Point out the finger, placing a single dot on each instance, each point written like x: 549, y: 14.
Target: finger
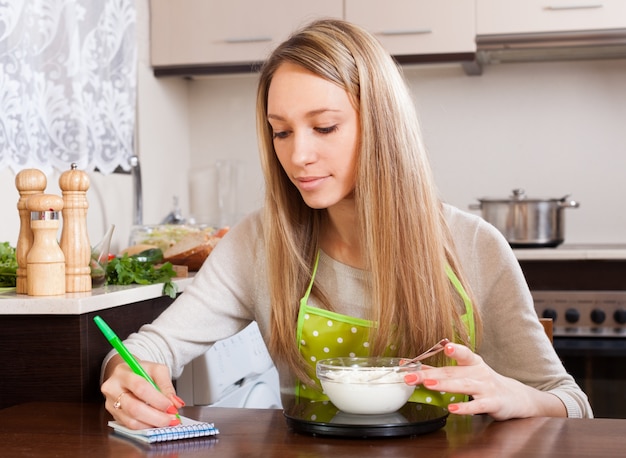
x: 136, y: 414
x: 146, y: 392
x: 142, y: 403
x: 448, y: 383
x: 418, y: 376
x: 488, y: 405
x: 463, y: 355
x: 163, y: 380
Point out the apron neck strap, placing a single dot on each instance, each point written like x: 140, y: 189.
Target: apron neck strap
x: 469, y: 309
x: 305, y: 298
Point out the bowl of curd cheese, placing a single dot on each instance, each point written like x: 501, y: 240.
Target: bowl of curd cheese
x: 366, y: 385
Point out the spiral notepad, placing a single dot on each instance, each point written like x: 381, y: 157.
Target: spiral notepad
x: 186, y: 430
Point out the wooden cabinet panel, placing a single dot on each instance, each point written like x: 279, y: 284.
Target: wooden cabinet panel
x: 199, y: 32
x: 532, y: 16
x: 412, y: 27
x: 58, y: 357
x: 210, y: 36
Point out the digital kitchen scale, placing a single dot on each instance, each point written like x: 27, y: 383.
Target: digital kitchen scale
x: 324, y: 419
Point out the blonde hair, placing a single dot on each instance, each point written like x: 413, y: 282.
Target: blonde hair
x: 403, y: 229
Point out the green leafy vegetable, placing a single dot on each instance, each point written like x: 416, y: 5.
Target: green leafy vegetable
x: 8, y: 265
x: 152, y: 255
x: 131, y: 269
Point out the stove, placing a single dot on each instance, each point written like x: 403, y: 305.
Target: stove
x: 583, y: 289
x: 583, y: 313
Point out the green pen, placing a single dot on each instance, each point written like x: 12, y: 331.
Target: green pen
x: 123, y: 352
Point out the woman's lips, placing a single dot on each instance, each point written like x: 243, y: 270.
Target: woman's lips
x: 309, y: 183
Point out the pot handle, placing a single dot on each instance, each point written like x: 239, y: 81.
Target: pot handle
x: 475, y: 206
x: 568, y: 204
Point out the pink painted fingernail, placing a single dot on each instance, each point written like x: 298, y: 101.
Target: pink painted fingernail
x: 411, y: 378
x: 175, y: 422
x: 179, y: 400
x: 172, y: 410
x: 453, y: 408
x: 449, y: 350
x: 429, y: 382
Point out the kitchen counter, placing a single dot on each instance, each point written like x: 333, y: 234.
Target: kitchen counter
x: 104, y: 297
x: 573, y: 252
x: 51, y: 348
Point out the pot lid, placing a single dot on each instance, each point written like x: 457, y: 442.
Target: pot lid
x: 519, y: 195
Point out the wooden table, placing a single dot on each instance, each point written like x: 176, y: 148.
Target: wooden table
x: 75, y: 429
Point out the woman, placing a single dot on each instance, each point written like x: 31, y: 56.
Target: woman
x: 353, y: 235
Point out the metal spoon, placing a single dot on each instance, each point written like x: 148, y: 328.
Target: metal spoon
x: 439, y: 346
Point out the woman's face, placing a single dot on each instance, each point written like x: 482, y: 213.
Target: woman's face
x: 316, y: 132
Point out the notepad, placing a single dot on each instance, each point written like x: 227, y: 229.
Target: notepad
x: 188, y: 429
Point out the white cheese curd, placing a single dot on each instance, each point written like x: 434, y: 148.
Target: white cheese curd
x: 377, y: 376
x: 351, y: 392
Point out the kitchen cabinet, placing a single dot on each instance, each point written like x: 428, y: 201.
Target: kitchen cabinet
x: 51, y: 348
x: 209, y: 36
x: 221, y: 34
x: 548, y: 30
x: 538, y: 16
x: 417, y: 27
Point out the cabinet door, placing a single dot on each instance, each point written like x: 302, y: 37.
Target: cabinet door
x: 531, y: 16
x: 201, y: 32
x: 417, y: 27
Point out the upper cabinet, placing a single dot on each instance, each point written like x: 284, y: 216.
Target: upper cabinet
x: 226, y: 32
x: 542, y: 30
x: 191, y: 37
x: 210, y: 36
x: 417, y: 27
x: 537, y: 16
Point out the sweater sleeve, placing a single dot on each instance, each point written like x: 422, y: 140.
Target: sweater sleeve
x: 218, y: 303
x: 513, y: 342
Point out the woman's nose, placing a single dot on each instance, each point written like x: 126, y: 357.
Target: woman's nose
x: 303, y: 152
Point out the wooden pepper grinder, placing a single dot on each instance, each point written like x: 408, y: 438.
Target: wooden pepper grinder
x: 74, y: 238
x: 28, y: 182
x: 45, y: 268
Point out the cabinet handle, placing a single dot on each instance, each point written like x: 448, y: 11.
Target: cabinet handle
x: 406, y: 32
x: 247, y: 40
x: 574, y: 7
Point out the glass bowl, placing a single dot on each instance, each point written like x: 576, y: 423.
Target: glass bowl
x: 367, y: 385
x: 181, y: 244
x: 163, y: 236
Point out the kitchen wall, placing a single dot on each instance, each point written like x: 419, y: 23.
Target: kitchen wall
x: 163, y: 149
x: 551, y: 128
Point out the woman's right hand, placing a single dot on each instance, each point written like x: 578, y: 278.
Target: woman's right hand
x: 134, y: 402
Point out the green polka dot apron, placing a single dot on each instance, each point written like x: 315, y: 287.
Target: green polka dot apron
x: 324, y: 334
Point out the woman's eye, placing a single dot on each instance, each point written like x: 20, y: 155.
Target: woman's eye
x: 326, y: 130
x: 280, y: 135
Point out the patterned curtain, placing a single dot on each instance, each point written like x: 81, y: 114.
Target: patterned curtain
x: 68, y: 81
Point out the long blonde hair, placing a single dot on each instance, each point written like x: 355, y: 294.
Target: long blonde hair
x: 403, y: 230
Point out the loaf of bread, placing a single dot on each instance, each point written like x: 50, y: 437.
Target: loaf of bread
x: 192, y: 250
x: 136, y: 249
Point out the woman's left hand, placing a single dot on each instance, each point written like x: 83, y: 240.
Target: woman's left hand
x: 494, y: 394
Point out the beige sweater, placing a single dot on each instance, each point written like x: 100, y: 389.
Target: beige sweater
x: 231, y: 290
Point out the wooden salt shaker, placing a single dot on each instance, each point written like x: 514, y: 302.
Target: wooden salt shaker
x: 45, y: 266
x: 74, y: 238
x: 28, y: 182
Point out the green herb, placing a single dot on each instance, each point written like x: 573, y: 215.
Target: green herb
x: 129, y: 269
x: 151, y: 255
x: 8, y: 265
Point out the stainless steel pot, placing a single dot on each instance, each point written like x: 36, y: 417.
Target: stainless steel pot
x: 526, y: 222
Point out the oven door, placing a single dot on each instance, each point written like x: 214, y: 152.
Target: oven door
x: 599, y: 367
